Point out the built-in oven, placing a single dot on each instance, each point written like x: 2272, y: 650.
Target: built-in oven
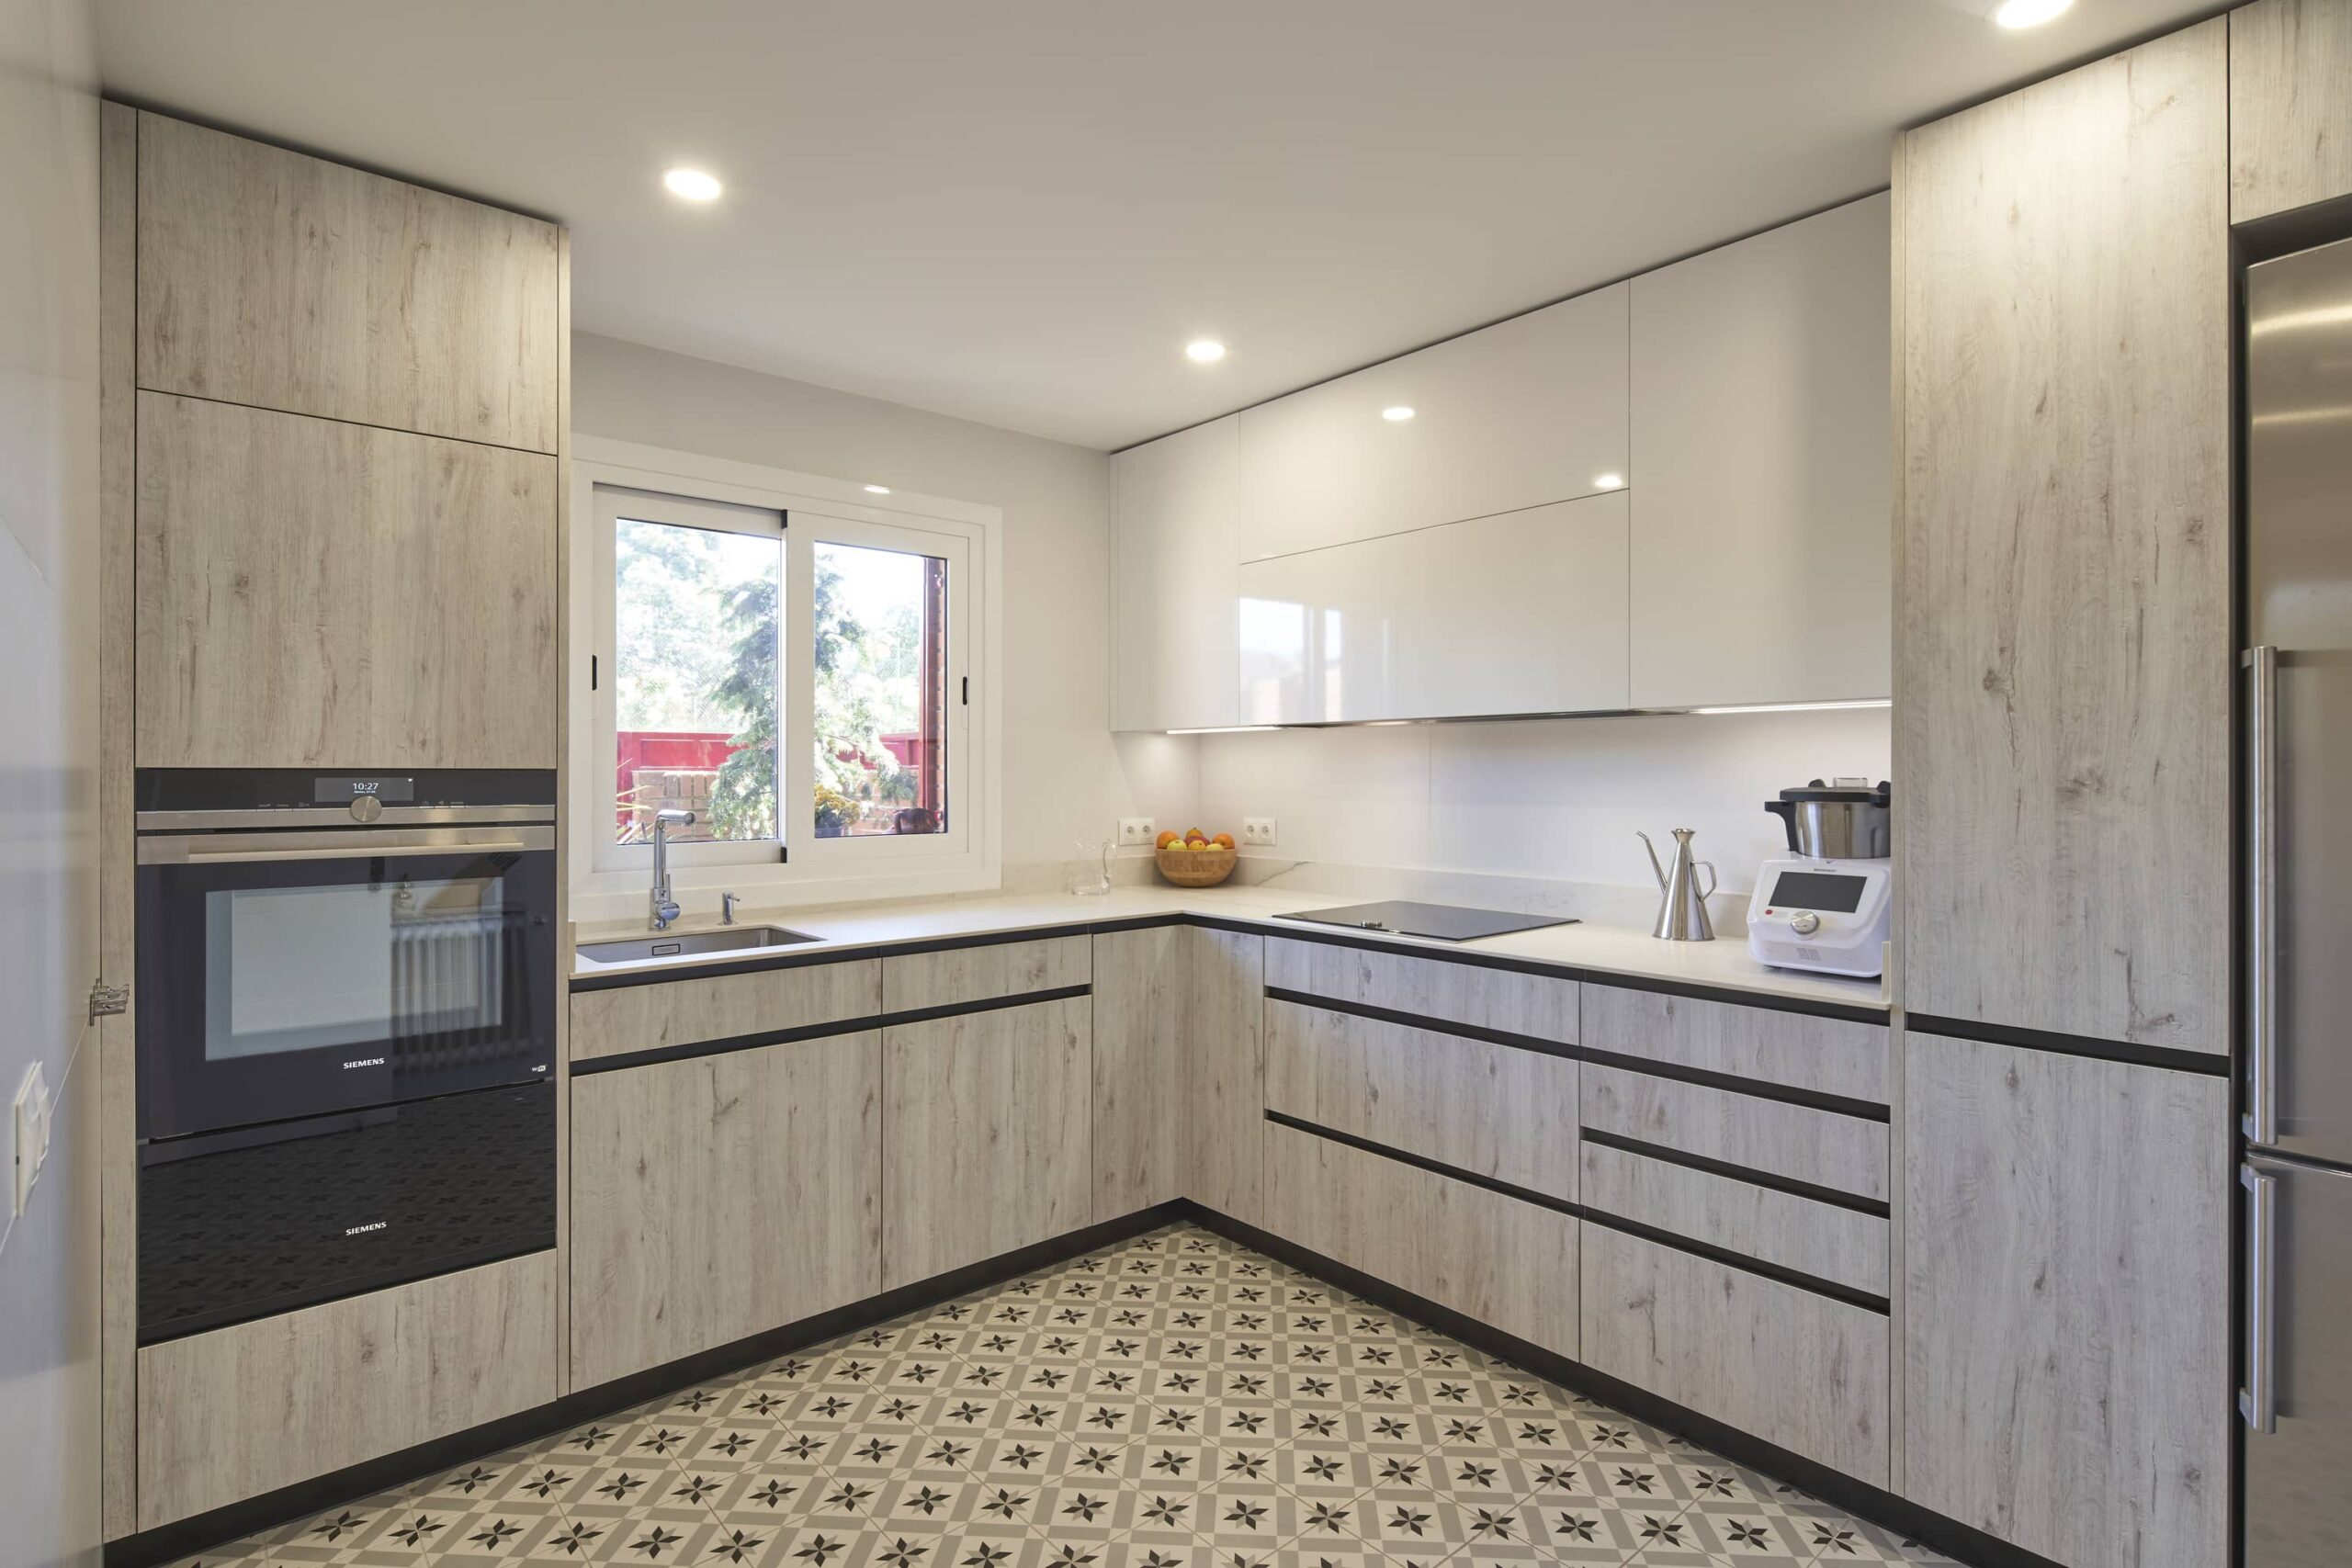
x: 345, y: 1027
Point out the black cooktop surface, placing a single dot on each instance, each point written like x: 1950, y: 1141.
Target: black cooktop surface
x: 1443, y: 922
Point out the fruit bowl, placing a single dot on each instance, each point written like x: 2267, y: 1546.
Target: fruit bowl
x: 1195, y: 868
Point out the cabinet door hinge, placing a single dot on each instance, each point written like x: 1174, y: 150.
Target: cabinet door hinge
x: 107, y: 1000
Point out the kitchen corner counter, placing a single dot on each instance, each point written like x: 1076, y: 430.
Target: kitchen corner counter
x: 1601, y: 951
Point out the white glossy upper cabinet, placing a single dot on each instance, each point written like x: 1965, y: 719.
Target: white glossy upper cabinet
x: 1762, y: 431
x: 1519, y: 415
x: 1516, y: 614
x: 1175, y: 540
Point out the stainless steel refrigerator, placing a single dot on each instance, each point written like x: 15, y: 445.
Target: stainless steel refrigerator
x: 2296, y: 1175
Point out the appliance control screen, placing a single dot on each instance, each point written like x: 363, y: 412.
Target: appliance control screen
x: 1818, y: 890
x: 343, y: 789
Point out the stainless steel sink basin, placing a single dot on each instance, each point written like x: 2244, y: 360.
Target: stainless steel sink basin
x: 735, y: 938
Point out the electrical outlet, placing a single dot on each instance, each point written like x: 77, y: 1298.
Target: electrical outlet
x: 30, y: 1125
x: 1258, y: 831
x: 1135, y: 830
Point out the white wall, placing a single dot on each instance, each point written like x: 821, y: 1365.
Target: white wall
x: 1065, y: 774
x: 1553, y: 798
x: 49, y: 339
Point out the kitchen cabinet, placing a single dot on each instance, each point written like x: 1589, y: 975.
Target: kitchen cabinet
x: 2290, y: 106
x: 242, y: 1411
x: 1522, y: 413
x: 282, y: 281
x: 2062, y: 683
x: 1793, y: 1050
x: 1799, y: 1370
x: 1177, y: 1078
x: 1176, y: 546
x: 984, y: 972
x: 1796, y: 1142
x: 2066, y: 1323
x: 318, y: 594
x: 1501, y: 1112
x: 1544, y: 1006
x: 1223, y: 1074
x: 1843, y: 1246
x: 1144, y: 983
x: 1521, y: 613
x: 663, y: 1015
x: 1762, y: 424
x: 1508, y: 1263
x: 721, y: 1196
x: 987, y: 1133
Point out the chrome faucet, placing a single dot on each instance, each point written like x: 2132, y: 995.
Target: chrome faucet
x: 665, y: 908
x: 727, y: 902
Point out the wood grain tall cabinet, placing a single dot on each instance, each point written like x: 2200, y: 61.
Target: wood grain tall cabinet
x: 333, y: 421
x: 2063, y: 689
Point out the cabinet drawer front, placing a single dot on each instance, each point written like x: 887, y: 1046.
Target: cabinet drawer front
x: 676, y: 1165
x: 987, y: 1135
x: 1435, y: 988
x: 957, y: 975
x: 1780, y: 1363
x: 1507, y: 1263
x: 1828, y: 1055
x: 1844, y: 1246
x: 230, y: 1415
x: 727, y: 1007
x: 1499, y: 1111
x: 283, y: 281
x: 1821, y: 1148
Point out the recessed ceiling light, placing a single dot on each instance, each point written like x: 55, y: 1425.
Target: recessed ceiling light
x: 1204, y: 351
x: 2029, y: 13
x: 878, y: 490
x: 1609, y: 481
x: 1397, y: 415
x: 693, y: 185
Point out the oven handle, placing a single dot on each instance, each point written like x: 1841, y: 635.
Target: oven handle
x: 216, y: 849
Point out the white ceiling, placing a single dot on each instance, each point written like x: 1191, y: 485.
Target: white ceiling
x: 1020, y: 210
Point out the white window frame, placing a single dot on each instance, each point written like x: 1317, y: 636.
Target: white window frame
x: 610, y: 881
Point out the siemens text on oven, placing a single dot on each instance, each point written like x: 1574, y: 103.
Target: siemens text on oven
x: 366, y: 1062
x: 370, y: 1225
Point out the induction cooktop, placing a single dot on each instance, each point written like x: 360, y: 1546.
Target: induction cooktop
x: 1443, y: 921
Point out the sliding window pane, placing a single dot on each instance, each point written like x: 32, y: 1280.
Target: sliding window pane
x: 694, y: 681
x: 881, y: 697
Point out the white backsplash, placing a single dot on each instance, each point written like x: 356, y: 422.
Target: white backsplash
x: 1535, y: 814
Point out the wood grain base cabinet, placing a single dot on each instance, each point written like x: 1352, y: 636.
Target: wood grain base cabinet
x: 1779, y: 1363
x: 1224, y: 1075
x: 230, y: 1415
x: 987, y: 1133
x: 722, y: 1007
x: 1823, y: 1148
x: 1497, y: 1110
x: 715, y: 1198
x: 1144, y: 987
x: 2063, y: 674
x: 1538, y: 1006
x: 2290, y: 106
x: 2067, y: 1316
x: 318, y: 594
x: 1508, y: 1264
x: 1830, y: 1243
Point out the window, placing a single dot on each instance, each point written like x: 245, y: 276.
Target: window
x: 796, y: 679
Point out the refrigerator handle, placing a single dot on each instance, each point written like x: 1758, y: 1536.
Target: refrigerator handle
x: 2260, y: 1121
x: 2259, y: 1400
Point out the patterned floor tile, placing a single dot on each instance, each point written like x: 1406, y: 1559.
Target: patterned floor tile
x: 1173, y: 1402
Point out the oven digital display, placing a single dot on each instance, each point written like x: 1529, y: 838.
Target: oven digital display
x: 343, y: 789
x: 1818, y: 890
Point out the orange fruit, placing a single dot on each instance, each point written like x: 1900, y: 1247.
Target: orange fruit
x: 1168, y: 838
x: 1223, y: 841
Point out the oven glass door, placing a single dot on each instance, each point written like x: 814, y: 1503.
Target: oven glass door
x: 279, y: 981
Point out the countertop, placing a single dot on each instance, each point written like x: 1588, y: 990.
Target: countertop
x: 1723, y: 964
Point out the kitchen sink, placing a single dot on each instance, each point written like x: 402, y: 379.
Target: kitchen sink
x: 734, y: 939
